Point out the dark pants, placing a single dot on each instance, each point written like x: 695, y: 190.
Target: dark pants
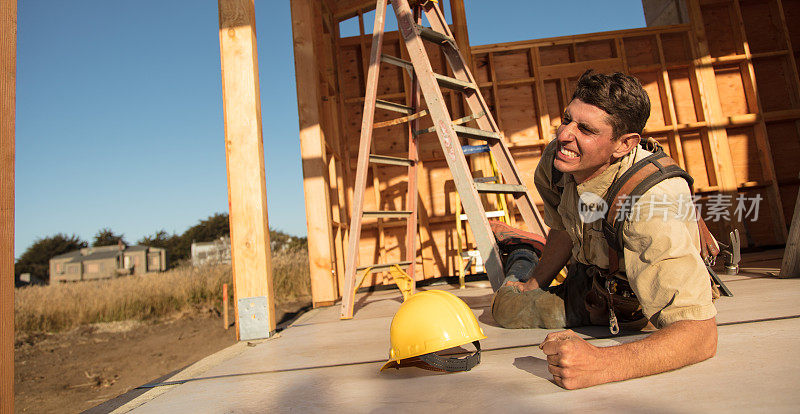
x: 561, y: 306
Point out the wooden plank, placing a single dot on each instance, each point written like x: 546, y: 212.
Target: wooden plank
x: 247, y: 195
x: 790, y: 266
x: 459, y: 16
x: 8, y: 79
x: 323, y: 285
x: 566, y: 40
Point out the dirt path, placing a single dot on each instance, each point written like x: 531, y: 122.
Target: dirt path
x: 74, y: 371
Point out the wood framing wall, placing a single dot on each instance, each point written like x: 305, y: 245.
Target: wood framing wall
x: 725, y: 104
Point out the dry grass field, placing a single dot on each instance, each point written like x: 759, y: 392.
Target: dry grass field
x: 65, y: 306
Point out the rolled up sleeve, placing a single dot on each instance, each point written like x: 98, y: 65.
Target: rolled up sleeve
x: 662, y: 260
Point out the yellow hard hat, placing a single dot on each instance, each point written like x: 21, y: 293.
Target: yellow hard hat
x: 432, y: 321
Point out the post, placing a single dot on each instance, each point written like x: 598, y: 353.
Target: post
x: 225, y: 305
x: 247, y: 196
x: 459, y: 16
x: 790, y: 265
x: 8, y: 76
x: 324, y: 284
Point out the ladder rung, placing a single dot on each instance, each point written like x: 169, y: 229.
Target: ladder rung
x: 392, y: 60
x: 383, y: 159
x: 499, y: 188
x: 489, y: 214
x: 454, y: 83
x: 491, y: 179
x: 391, y: 106
x: 475, y: 149
x: 433, y: 36
x: 387, y: 214
x: 475, y: 133
x: 383, y: 266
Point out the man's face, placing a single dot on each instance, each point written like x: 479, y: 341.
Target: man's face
x: 585, y: 144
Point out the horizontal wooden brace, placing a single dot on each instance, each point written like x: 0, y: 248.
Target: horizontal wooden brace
x: 400, y: 120
x: 392, y: 106
x: 386, y: 214
x: 454, y: 84
x: 383, y: 159
x: 433, y: 36
x: 500, y: 188
x: 475, y: 133
x: 568, y: 40
x: 382, y: 266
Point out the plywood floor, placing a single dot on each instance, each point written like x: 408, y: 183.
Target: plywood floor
x: 323, y: 364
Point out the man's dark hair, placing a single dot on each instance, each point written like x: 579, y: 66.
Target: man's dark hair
x: 620, y: 96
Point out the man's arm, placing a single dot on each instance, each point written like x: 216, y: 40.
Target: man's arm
x: 555, y: 255
x: 576, y: 363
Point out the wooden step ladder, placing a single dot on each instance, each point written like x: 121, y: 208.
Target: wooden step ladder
x: 424, y: 79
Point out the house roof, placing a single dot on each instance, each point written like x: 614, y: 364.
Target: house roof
x: 98, y: 254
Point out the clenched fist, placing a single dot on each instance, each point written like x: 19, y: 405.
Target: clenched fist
x: 574, y: 362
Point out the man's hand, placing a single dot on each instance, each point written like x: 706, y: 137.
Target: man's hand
x: 574, y: 362
x: 523, y: 286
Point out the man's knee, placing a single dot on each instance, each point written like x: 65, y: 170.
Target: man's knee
x: 531, y: 309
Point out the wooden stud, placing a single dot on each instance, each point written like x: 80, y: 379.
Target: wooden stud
x: 8, y: 81
x: 323, y: 285
x: 247, y: 195
x: 762, y: 141
x: 460, y: 32
x: 790, y: 265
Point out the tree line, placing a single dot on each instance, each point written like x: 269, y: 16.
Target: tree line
x: 36, y: 258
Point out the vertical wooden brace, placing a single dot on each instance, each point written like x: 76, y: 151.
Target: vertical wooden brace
x: 8, y: 76
x: 244, y: 149
x: 324, y: 289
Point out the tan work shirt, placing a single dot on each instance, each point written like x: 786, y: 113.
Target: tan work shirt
x: 661, y: 242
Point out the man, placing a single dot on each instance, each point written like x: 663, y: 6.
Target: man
x: 597, y: 141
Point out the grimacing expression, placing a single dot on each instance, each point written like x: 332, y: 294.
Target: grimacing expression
x: 586, y: 145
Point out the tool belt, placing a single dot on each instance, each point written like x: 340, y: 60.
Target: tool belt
x: 624, y: 309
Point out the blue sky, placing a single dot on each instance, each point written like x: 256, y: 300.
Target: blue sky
x: 119, y: 108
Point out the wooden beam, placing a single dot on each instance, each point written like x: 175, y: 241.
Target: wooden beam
x: 8, y: 76
x: 324, y: 286
x: 244, y: 150
x: 460, y: 32
x: 790, y: 266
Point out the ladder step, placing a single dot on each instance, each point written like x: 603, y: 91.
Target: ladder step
x: 433, y: 36
x: 475, y: 133
x: 387, y: 214
x: 391, y: 106
x: 392, y: 60
x: 500, y: 188
x: 383, y: 159
x: 491, y: 179
x: 489, y: 214
x: 475, y: 149
x: 383, y: 266
x: 453, y: 83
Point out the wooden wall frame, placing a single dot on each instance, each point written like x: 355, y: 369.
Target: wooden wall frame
x: 724, y: 98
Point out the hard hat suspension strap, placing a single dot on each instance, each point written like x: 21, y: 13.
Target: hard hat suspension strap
x: 454, y: 364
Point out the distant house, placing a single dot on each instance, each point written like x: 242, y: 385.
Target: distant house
x: 104, y: 262
x: 217, y: 251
